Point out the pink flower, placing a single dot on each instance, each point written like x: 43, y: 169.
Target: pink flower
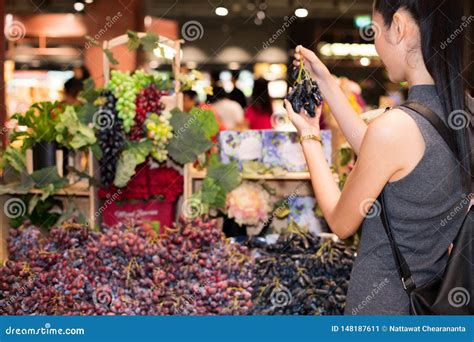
x: 249, y: 204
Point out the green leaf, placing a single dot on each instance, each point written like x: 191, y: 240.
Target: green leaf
x: 133, y: 40
x: 189, y: 140
x: 110, y: 57
x: 48, y: 176
x: 85, y: 114
x: 97, y: 151
x: 213, y: 194
x: 16, y: 158
x: 72, y: 133
x: 226, y: 175
x: 33, y: 202
x: 206, y: 120
x: 134, y: 154
x: 89, y: 92
x: 150, y: 41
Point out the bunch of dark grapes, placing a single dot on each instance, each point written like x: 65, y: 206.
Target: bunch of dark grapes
x: 110, y: 136
x: 305, y: 92
x: 126, y: 270
x: 147, y: 101
x: 301, y: 274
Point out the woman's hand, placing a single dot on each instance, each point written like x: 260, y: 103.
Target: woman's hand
x: 304, y: 123
x: 313, y: 64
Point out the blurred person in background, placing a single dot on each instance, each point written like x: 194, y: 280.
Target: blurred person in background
x: 236, y: 94
x: 190, y: 100
x: 259, y: 113
x: 81, y: 73
x: 228, y: 112
x: 218, y: 91
x: 72, y: 88
x: 74, y: 85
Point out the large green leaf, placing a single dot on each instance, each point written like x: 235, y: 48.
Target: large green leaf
x: 73, y: 133
x: 89, y: 92
x: 206, y: 120
x: 189, y: 139
x: 213, y: 194
x: 133, y: 40
x: 16, y: 158
x: 226, y: 175
x: 85, y: 114
x: 134, y: 154
x: 150, y: 41
x: 47, y: 176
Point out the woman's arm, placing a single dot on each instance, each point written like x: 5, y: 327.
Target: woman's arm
x: 391, y: 143
x: 352, y: 126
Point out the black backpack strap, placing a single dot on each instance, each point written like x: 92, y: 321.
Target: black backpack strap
x: 436, y: 122
x: 402, y: 266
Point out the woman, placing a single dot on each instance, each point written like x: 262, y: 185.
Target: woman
x: 259, y: 113
x: 399, y: 152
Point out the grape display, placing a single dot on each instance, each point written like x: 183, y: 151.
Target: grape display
x: 110, y: 137
x: 124, y: 88
x: 126, y: 270
x: 305, y: 93
x: 147, y: 101
x: 301, y: 274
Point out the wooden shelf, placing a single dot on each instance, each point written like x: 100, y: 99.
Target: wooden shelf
x: 201, y: 174
x: 192, y: 174
x: 73, y: 190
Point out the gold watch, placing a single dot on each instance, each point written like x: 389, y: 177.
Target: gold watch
x: 311, y: 137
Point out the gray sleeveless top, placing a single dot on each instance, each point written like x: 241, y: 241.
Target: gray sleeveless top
x: 425, y: 209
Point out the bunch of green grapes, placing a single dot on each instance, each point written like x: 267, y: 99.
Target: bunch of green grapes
x: 160, y: 130
x: 123, y: 86
x: 141, y: 79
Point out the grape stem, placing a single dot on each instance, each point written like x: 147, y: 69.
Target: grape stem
x: 300, y: 73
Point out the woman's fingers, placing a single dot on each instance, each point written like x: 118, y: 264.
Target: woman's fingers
x: 304, y: 52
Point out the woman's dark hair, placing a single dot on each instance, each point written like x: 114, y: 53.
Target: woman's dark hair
x: 260, y: 96
x: 439, y: 21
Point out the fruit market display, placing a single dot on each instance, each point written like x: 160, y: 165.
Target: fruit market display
x: 301, y: 274
x: 305, y: 93
x: 126, y: 270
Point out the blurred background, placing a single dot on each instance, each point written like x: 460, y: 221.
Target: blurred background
x: 232, y: 42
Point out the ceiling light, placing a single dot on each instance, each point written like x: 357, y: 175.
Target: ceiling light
x: 301, y: 12
x: 89, y: 1
x: 261, y: 15
x: 364, y: 61
x: 222, y: 11
x: 79, y: 6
